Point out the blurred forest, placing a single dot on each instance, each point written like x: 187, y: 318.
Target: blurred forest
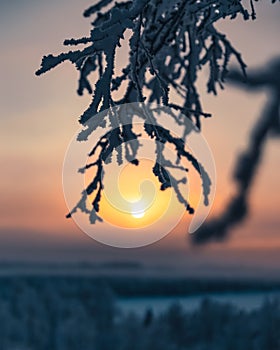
x: 41, y: 314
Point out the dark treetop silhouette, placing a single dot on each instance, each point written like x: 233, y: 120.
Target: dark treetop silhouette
x: 247, y: 163
x: 169, y: 42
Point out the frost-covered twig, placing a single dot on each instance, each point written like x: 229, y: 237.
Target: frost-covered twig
x: 170, y: 41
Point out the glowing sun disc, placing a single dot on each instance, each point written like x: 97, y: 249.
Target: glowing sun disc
x: 138, y: 215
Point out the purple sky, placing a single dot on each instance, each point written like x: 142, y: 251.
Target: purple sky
x: 39, y: 116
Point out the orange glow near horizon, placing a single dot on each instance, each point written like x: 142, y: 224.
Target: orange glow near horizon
x: 39, y: 118
x: 138, y: 200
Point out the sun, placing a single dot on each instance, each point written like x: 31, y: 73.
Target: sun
x: 138, y: 214
x: 135, y: 199
x: 138, y: 209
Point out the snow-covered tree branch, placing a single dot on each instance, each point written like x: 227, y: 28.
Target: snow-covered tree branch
x: 169, y: 43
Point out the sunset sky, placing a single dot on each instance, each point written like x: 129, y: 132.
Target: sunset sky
x: 39, y: 117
